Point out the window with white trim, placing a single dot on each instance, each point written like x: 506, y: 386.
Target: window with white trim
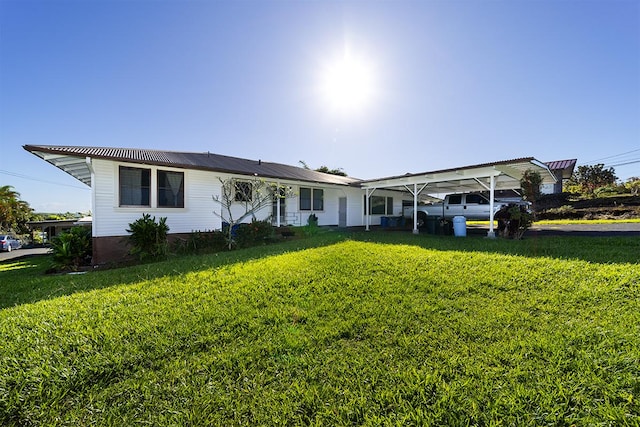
x: 379, y: 205
x: 311, y: 199
x: 170, y: 189
x: 135, y: 186
x: 243, y: 191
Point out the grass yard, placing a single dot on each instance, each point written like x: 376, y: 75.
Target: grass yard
x: 341, y: 329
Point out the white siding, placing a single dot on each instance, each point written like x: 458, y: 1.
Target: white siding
x: 109, y: 219
x: 201, y: 212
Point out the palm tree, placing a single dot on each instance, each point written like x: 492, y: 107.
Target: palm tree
x: 14, y: 213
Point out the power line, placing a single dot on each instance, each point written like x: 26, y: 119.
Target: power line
x: 610, y: 157
x: 19, y: 175
x: 626, y: 163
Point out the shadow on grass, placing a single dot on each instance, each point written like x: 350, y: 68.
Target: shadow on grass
x: 604, y: 250
x: 24, y: 281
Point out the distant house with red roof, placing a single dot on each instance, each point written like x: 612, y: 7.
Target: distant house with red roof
x: 562, y: 170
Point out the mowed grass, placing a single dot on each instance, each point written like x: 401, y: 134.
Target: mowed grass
x: 376, y: 329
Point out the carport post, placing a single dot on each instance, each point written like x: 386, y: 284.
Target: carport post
x: 491, y: 234
x: 366, y: 209
x: 415, y: 209
x: 278, y: 205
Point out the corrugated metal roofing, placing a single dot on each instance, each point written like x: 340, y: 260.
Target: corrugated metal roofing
x: 562, y: 164
x: 562, y: 168
x: 73, y: 161
x: 202, y: 161
x: 441, y: 171
x: 506, y: 175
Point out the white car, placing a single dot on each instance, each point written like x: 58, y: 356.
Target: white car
x: 9, y: 242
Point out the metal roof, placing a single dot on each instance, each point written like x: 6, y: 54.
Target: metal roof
x: 506, y: 175
x: 565, y: 166
x: 75, y: 161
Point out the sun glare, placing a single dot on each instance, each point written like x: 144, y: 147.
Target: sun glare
x: 348, y: 84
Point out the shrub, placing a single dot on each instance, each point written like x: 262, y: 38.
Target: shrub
x: 513, y: 221
x: 633, y: 185
x: 201, y: 242
x: 609, y: 190
x: 311, y: 229
x: 148, y: 238
x: 253, y: 233
x: 530, y: 185
x: 72, y: 249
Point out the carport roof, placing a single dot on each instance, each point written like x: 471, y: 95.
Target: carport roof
x: 507, y: 174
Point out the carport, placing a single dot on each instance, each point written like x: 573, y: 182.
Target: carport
x: 502, y: 175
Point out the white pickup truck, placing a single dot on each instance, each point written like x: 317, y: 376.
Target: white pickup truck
x: 473, y: 206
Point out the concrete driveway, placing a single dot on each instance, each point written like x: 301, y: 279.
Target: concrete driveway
x: 21, y: 253
x: 594, y: 230
x: 589, y: 230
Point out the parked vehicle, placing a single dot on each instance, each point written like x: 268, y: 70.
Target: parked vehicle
x: 9, y: 242
x: 473, y: 206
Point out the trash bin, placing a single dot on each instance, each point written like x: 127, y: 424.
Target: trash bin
x: 459, y: 226
x: 384, y: 221
x: 431, y: 223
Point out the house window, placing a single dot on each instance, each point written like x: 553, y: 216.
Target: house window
x: 311, y: 199
x: 170, y: 189
x: 379, y: 205
x: 135, y: 185
x: 243, y: 191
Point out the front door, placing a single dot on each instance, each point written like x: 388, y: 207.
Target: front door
x: 342, y: 212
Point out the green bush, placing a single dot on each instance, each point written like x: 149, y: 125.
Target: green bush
x: 148, y: 238
x: 253, y: 233
x: 201, y: 242
x: 609, y: 190
x: 311, y: 229
x: 72, y: 249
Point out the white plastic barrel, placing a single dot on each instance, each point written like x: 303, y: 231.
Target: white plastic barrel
x: 459, y: 226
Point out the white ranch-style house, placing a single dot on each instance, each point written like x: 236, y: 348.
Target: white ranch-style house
x: 182, y: 186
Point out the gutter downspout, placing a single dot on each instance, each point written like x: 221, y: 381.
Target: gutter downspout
x: 87, y: 161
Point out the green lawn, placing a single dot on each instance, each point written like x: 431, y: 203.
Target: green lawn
x: 342, y: 329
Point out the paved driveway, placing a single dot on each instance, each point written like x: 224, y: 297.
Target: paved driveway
x: 20, y: 253
x: 595, y: 230
x: 589, y: 230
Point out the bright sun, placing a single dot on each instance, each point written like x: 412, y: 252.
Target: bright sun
x: 347, y: 84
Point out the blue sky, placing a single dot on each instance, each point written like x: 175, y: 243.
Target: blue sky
x: 450, y: 83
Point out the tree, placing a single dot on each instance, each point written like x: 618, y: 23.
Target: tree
x: 337, y: 171
x: 633, y: 185
x: 530, y: 184
x: 325, y: 169
x: 14, y: 213
x: 590, y: 177
x: 251, y: 196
